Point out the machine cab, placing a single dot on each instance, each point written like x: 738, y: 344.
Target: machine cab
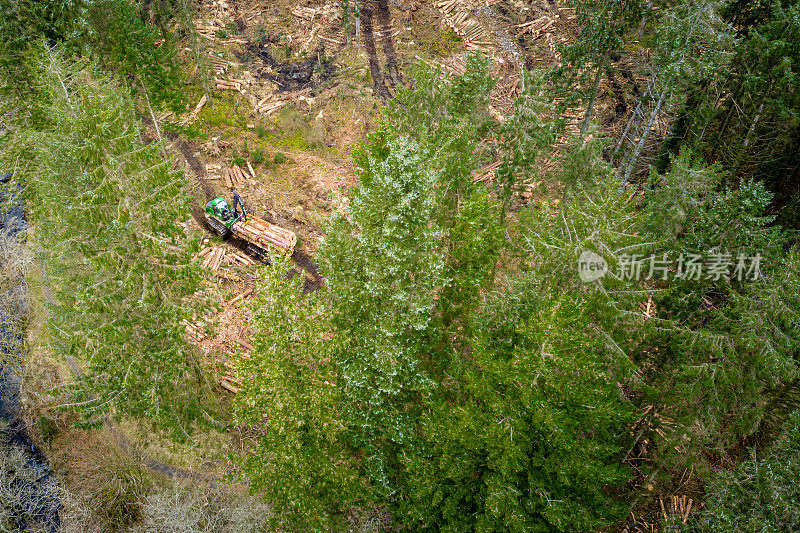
x: 218, y: 208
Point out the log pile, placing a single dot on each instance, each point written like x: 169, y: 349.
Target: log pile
x: 536, y: 27
x: 212, y: 257
x: 235, y: 177
x: 274, y: 102
x: 678, y: 505
x: 266, y: 235
x: 231, y: 84
x: 305, y: 13
x: 459, y: 18
x: 208, y: 28
x: 214, y: 171
x: 193, y: 115
x: 454, y: 66
x: 220, y: 65
x: 487, y: 173
x: 240, y: 258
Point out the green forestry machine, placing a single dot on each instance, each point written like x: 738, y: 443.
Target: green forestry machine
x: 259, y: 234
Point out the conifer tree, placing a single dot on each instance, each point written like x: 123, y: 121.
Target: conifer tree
x: 107, y: 210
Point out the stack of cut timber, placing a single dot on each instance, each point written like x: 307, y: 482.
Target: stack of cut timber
x: 459, y: 18
x: 214, y: 171
x: 220, y: 65
x: 456, y: 66
x: 271, y: 107
x: 574, y: 118
x: 273, y: 102
x: 213, y: 258
x: 234, y: 177
x: 230, y: 84
x: 241, y: 258
x: 208, y: 28
x: 303, y: 12
x: 266, y: 235
x: 486, y: 174
x: 535, y: 26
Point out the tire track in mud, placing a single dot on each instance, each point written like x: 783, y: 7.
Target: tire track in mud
x: 385, y: 22
x: 378, y: 83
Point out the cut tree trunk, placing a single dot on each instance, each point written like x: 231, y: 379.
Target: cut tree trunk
x: 637, y: 151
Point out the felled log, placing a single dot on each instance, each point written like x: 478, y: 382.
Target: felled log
x: 240, y: 297
x: 224, y: 274
x: 266, y: 235
x: 227, y: 386
x: 210, y: 258
x: 271, y: 107
x: 306, y: 13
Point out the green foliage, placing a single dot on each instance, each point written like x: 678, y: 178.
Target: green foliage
x: 258, y: 156
x: 131, y: 47
x: 383, y: 272
x: 290, y: 391
x: 119, y: 265
x: 738, y: 372
x: 523, y: 431
x: 25, y: 22
x: 221, y: 113
x: 279, y: 158
x: 725, y: 361
x: 692, y: 208
x: 446, y: 119
x: 529, y: 440
x: 762, y: 494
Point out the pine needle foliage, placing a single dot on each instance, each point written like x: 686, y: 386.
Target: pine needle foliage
x: 106, y: 208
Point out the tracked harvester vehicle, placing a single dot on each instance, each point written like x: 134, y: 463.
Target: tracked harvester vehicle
x: 259, y: 234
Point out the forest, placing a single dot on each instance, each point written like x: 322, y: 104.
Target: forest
x: 543, y: 273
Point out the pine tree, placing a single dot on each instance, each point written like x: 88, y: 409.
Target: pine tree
x: 384, y: 269
x: 290, y: 394
x: 106, y: 208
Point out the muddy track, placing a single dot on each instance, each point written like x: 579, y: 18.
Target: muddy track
x: 385, y: 22
x: 309, y: 74
x: 378, y: 83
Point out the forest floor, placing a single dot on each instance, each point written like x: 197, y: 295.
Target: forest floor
x: 292, y: 93
x: 285, y: 92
